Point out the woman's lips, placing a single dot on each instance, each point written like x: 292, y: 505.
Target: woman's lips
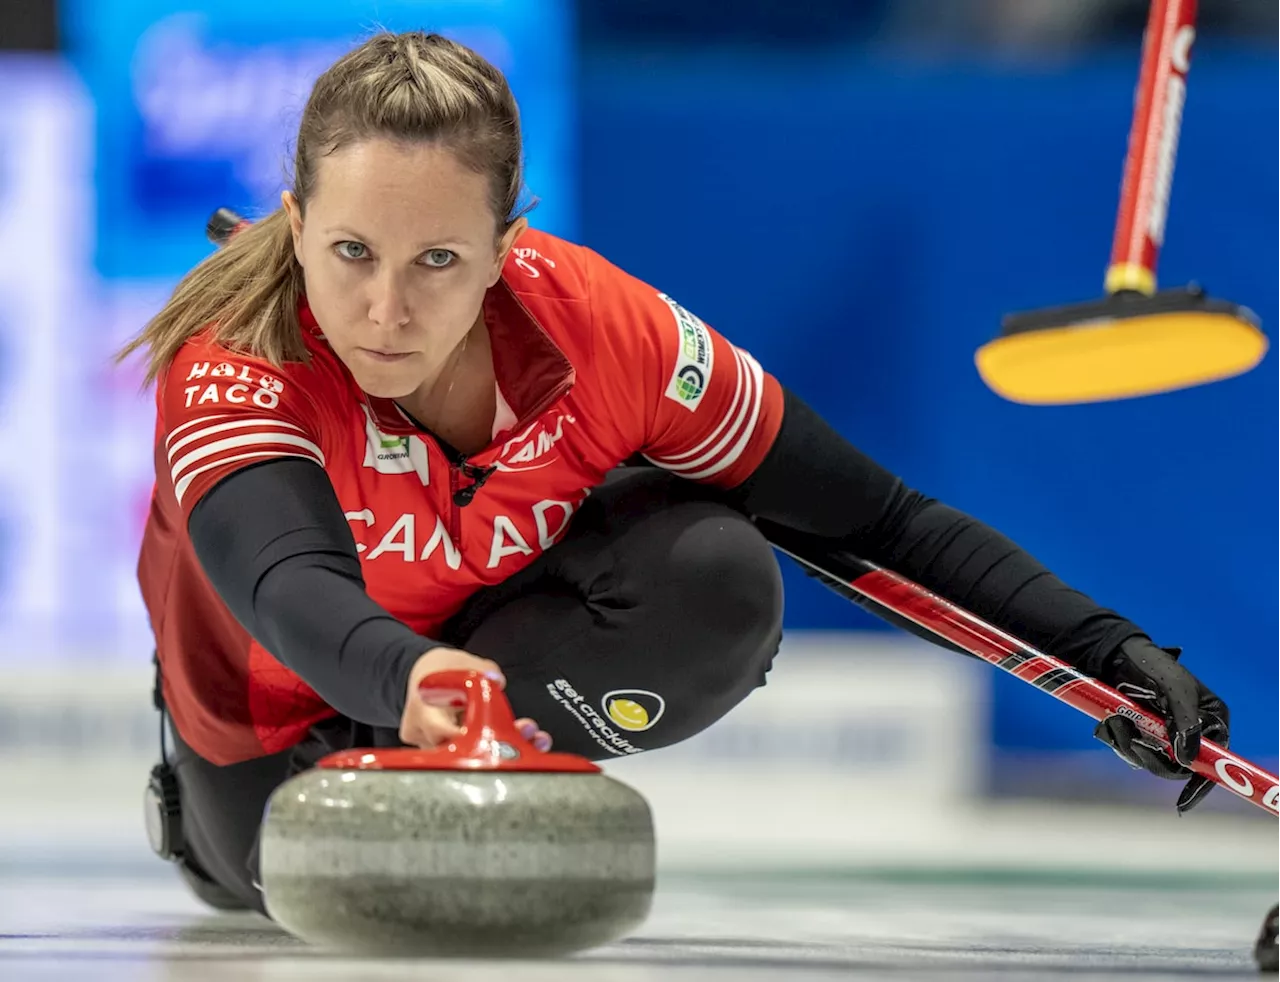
x: 386, y: 356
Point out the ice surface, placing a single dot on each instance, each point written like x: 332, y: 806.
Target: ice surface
x: 135, y: 921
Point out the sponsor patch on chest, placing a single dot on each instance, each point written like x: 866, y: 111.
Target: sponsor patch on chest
x: 389, y: 453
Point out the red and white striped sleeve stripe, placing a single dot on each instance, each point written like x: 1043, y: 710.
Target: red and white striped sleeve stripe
x: 731, y: 435
x: 212, y: 443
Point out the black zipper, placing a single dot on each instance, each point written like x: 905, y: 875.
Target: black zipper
x: 461, y: 495
x: 459, y: 466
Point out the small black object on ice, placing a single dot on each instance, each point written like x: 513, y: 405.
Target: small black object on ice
x: 1265, y: 950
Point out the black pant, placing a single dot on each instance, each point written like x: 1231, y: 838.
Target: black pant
x: 658, y: 613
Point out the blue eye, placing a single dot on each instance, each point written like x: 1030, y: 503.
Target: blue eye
x: 438, y: 258
x: 351, y: 250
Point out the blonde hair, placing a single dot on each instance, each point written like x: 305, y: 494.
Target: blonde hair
x: 414, y: 87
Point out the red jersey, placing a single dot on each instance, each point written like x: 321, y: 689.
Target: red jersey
x: 592, y: 366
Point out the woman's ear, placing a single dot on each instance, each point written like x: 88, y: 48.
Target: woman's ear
x: 505, y: 245
x: 294, y: 210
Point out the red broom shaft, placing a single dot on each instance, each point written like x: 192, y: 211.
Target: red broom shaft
x: 1153, y: 145
x: 1091, y: 697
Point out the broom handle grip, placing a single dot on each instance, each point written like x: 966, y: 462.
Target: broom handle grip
x: 1153, y: 146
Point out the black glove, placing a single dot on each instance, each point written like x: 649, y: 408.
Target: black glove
x: 1152, y: 678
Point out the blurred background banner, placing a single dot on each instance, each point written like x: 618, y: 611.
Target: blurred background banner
x: 855, y: 192
x: 199, y: 102
x: 46, y: 225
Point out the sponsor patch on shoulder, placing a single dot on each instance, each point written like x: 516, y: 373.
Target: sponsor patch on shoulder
x: 693, y: 363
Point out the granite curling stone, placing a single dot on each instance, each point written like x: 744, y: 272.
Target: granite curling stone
x: 483, y: 847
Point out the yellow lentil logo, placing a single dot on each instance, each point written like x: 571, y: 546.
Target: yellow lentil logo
x: 634, y: 709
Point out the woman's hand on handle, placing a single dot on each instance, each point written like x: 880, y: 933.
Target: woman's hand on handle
x: 427, y: 724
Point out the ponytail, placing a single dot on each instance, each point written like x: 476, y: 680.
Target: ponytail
x: 247, y: 293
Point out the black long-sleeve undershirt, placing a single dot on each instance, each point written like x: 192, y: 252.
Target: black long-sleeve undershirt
x: 274, y: 543
x: 814, y: 481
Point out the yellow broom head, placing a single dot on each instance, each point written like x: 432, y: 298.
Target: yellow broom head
x: 1125, y: 346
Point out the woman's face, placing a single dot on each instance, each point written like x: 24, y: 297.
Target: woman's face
x: 398, y: 248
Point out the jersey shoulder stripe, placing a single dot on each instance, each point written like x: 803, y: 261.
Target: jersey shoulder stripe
x: 202, y: 448
x: 731, y: 435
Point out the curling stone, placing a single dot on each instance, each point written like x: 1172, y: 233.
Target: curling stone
x: 482, y: 847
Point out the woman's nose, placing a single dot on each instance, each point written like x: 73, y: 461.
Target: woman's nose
x: 388, y: 302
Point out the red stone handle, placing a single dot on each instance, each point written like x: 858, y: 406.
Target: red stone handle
x: 489, y: 741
